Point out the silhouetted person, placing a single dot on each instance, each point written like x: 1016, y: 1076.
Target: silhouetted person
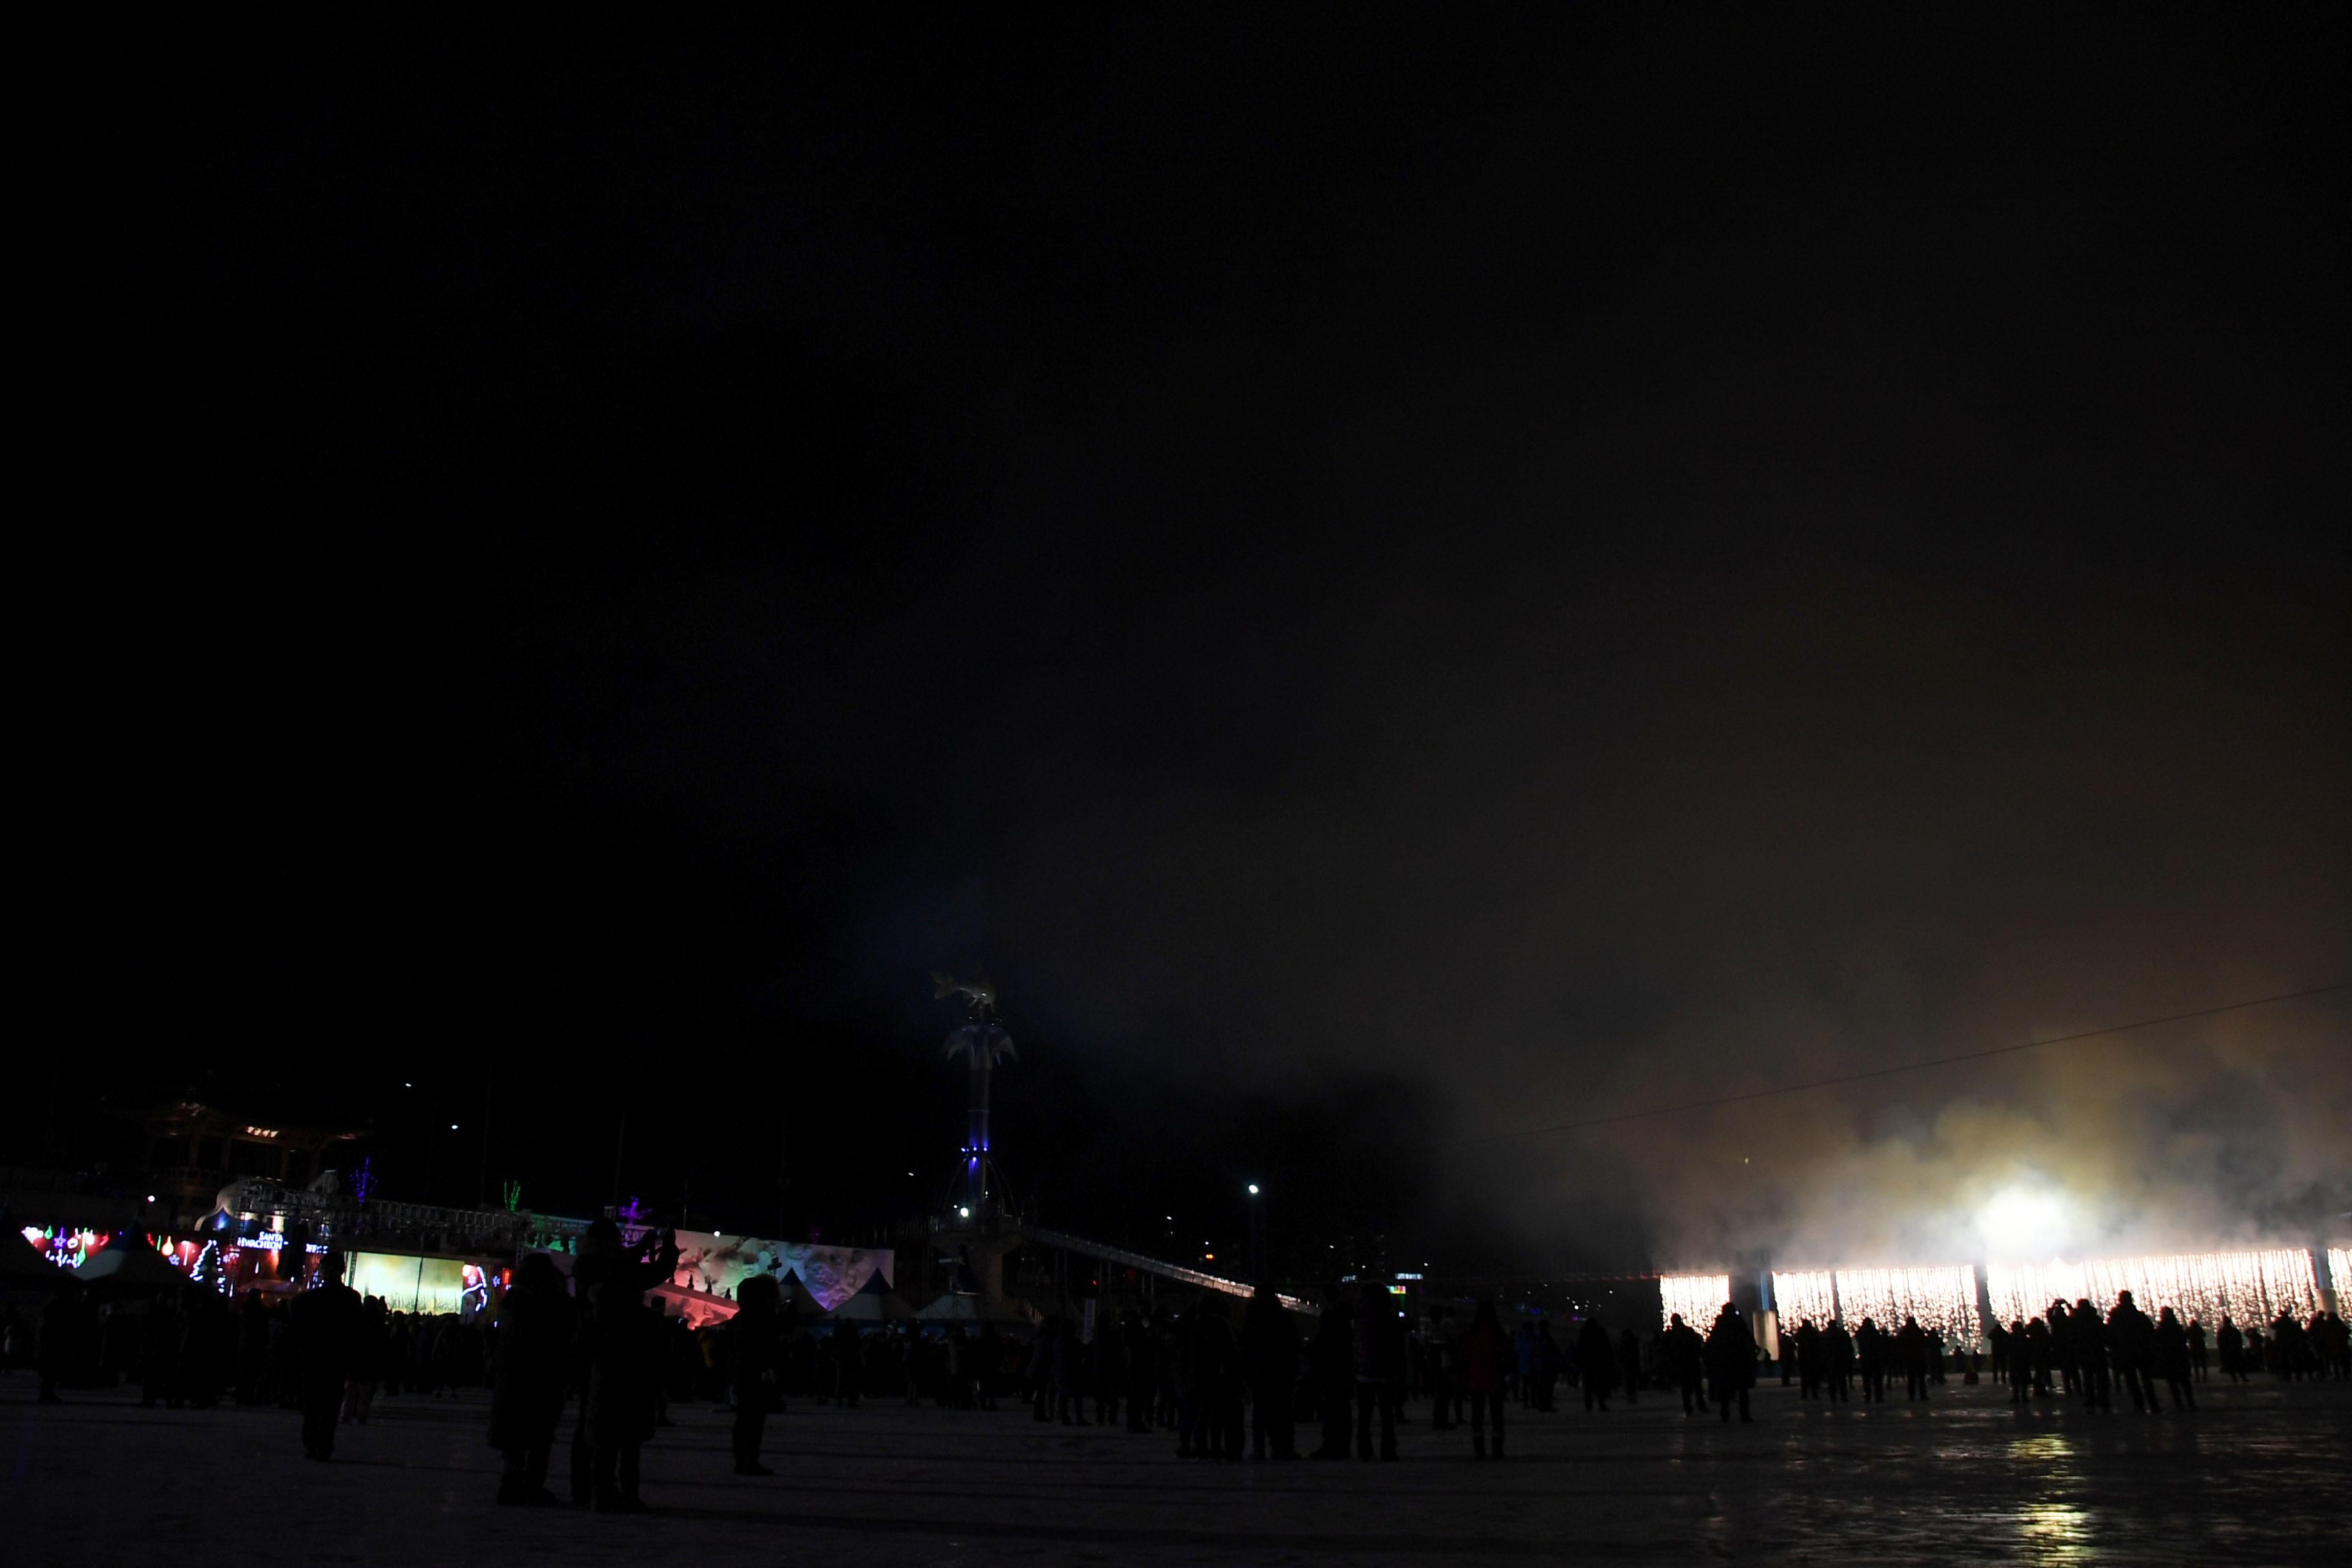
x: 533, y: 1368
x: 1911, y: 1354
x: 1488, y: 1357
x: 325, y: 1321
x: 159, y: 1353
x: 1106, y: 1371
x: 2231, y: 1340
x: 755, y: 1346
x: 849, y: 1365
x: 1543, y: 1361
x: 1810, y: 1353
x: 2039, y: 1347
x: 2287, y: 1339
x: 2019, y: 1343
x: 1270, y: 1358
x: 1730, y: 1361
x: 618, y: 1358
x: 2131, y: 1342
x: 1628, y: 1366
x: 2172, y: 1360
x: 1869, y: 1351
x: 1066, y: 1364
x: 1332, y: 1360
x: 2196, y: 1349
x: 1379, y: 1376
x: 2090, y: 1337
x: 2066, y: 1350
x: 1839, y: 1344
x: 1683, y: 1356
x: 1142, y: 1366
x: 1596, y: 1365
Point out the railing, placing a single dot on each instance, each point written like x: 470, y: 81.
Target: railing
x: 347, y: 1220
x: 1176, y: 1271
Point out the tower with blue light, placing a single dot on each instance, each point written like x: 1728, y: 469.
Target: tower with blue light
x: 982, y: 1042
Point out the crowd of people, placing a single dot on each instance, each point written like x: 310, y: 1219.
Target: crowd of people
x: 2073, y: 1353
x: 1225, y: 1383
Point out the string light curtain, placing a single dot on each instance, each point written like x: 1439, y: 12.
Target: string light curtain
x: 2250, y: 1287
x: 1943, y: 1298
x: 1806, y: 1293
x: 1697, y: 1296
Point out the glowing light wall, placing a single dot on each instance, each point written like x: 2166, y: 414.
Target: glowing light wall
x: 2340, y: 1274
x: 1809, y: 1294
x: 2252, y: 1287
x: 1697, y: 1296
x: 1943, y: 1298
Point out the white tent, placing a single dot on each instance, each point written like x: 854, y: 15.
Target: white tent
x: 954, y: 1308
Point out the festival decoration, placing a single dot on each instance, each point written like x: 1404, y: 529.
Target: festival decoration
x: 1697, y: 1296
x: 1942, y: 1299
x: 2252, y: 1287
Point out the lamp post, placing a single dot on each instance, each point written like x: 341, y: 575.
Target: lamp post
x: 1257, y: 1234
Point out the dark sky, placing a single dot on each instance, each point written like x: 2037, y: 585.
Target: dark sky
x: 1395, y: 577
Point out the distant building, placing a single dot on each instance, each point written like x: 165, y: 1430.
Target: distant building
x: 194, y: 1150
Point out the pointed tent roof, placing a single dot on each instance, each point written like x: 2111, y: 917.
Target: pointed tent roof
x: 22, y: 1265
x: 123, y: 1264
x: 954, y: 1308
x: 873, y: 1307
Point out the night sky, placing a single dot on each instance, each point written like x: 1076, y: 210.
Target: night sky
x: 1395, y: 577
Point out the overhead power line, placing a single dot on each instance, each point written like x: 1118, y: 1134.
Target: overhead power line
x: 1910, y: 1067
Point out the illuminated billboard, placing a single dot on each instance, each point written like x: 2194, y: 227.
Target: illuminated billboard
x: 430, y: 1285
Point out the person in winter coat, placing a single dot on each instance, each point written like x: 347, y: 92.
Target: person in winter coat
x: 1270, y: 1361
x: 2230, y: 1342
x: 1544, y: 1365
x: 1066, y: 1364
x: 1142, y: 1358
x: 1487, y: 1356
x: 1810, y: 1365
x: 1870, y: 1349
x: 2173, y: 1362
x: 1211, y: 1371
x: 2131, y: 1340
x: 1911, y: 1356
x: 1730, y: 1361
x: 325, y: 1322
x: 2090, y: 1346
x: 617, y: 1358
x: 1840, y: 1346
x: 1628, y: 1366
x: 527, y: 1382
x: 1596, y: 1365
x: 1331, y: 1360
x: 1685, y: 1358
x: 1379, y: 1376
x: 755, y: 1355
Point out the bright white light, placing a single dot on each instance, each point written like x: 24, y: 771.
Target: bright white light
x: 2025, y: 1221
x: 1798, y: 1295
x: 2252, y: 1287
x: 1253, y: 1189
x: 1942, y: 1299
x: 1697, y: 1296
x: 964, y: 1213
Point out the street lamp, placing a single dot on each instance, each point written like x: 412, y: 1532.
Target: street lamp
x: 1257, y: 1235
